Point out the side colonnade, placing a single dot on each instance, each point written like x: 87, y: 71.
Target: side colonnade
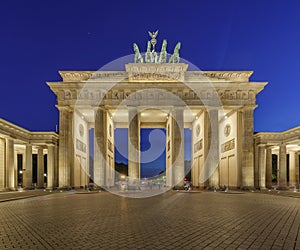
x: 25, y: 155
x: 277, y: 159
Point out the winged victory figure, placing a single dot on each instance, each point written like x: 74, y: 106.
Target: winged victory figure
x: 153, y: 36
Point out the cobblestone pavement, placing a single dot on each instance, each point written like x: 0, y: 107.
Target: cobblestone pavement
x: 173, y: 220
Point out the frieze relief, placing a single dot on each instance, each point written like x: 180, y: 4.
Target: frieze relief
x: 80, y: 146
x: 155, y: 77
x: 229, y: 145
x: 230, y: 76
x: 198, y: 146
x: 236, y: 95
x: 152, y: 72
x: 110, y: 146
x: 115, y: 94
x: 79, y: 76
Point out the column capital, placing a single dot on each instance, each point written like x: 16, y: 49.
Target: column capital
x: 247, y: 108
x: 9, y: 139
x: 65, y: 108
x: 101, y: 107
x: 292, y: 151
x: 212, y: 108
x: 179, y: 107
x: 133, y: 108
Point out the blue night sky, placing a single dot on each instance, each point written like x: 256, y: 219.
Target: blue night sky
x: 38, y: 38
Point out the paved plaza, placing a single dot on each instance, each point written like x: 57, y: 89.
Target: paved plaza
x: 173, y: 220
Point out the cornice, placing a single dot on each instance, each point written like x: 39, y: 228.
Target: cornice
x: 10, y: 130
x: 230, y: 76
x: 79, y: 76
x: 156, y: 72
x: 291, y: 134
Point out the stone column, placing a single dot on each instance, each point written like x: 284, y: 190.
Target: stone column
x: 292, y: 168
x: 16, y: 173
x: 169, y: 152
x: 71, y: 147
x: 112, y: 165
x: 27, y: 174
x: 277, y: 169
x: 100, y: 146
x: 213, y: 156
x: 10, y: 164
x: 88, y: 174
x: 256, y: 165
x: 297, y: 169
x: 247, y: 148
x: 133, y: 144
x: 282, y: 167
x: 50, y: 166
x: 262, y: 166
x: 178, y: 146
x: 55, y: 181
x: 269, y: 167
x: 66, y: 147
x: 40, y: 168
x: 2, y: 164
x: 204, y: 172
x: 194, y: 166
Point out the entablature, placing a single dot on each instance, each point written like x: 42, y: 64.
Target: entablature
x: 277, y: 138
x: 12, y: 131
x: 155, y: 73
x: 245, y: 95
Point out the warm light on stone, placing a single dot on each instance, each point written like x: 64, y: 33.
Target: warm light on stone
x: 162, y: 95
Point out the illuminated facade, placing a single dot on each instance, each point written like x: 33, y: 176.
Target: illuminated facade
x: 217, y: 106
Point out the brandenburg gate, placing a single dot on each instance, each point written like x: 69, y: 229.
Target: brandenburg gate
x: 157, y: 90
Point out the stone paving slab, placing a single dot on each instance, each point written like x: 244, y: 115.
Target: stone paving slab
x: 288, y: 193
x: 173, y: 220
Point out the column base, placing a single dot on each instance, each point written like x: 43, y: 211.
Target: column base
x: 9, y: 189
x: 212, y: 188
x: 248, y: 188
x: 178, y: 187
x: 283, y: 188
x: 66, y: 188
